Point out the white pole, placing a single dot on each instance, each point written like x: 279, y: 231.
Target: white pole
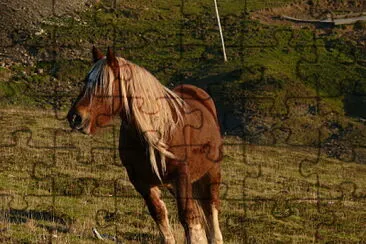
x: 222, y: 37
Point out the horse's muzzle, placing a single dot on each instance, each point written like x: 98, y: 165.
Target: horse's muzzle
x: 75, y: 120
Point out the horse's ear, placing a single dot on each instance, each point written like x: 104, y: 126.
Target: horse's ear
x: 111, y: 59
x: 97, y: 54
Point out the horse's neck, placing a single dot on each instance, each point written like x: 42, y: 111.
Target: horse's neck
x: 129, y: 135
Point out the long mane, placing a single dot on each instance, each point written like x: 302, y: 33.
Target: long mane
x: 152, y: 108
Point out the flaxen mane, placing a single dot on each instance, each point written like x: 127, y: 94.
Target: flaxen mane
x: 155, y: 110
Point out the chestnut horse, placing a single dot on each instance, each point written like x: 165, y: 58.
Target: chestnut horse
x: 167, y: 138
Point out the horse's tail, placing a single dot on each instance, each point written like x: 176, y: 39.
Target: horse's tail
x: 198, y: 200
x: 203, y: 219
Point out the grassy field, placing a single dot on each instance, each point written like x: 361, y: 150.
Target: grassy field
x: 57, y: 186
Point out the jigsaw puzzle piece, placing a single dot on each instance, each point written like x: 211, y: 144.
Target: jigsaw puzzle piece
x: 26, y: 212
x: 7, y: 92
x: 195, y: 119
x: 325, y: 10
x: 22, y: 139
x: 250, y: 40
x: 342, y: 138
x: 200, y: 40
x: 258, y: 117
x: 116, y: 187
x: 235, y: 185
x: 282, y: 207
x: 303, y: 121
x: 330, y: 195
x: 333, y: 215
x: 121, y: 206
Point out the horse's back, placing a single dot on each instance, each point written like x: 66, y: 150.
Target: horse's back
x: 190, y: 92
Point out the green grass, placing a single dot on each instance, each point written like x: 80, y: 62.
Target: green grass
x: 181, y: 44
x: 61, y: 195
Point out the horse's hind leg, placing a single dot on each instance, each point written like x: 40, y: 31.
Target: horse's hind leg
x: 188, y: 209
x: 159, y: 213
x: 208, y: 190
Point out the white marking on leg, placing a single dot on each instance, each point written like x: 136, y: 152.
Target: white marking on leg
x: 197, y: 234
x: 165, y: 228
x: 163, y: 224
x: 216, y: 228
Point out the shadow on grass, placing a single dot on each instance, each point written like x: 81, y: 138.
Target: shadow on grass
x: 140, y: 237
x: 51, y: 220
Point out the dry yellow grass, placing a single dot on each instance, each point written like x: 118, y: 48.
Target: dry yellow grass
x: 60, y: 195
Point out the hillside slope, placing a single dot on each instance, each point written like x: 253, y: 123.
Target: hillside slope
x: 273, y: 69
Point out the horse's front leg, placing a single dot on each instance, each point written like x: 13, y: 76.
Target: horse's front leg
x: 159, y: 213
x: 188, y: 209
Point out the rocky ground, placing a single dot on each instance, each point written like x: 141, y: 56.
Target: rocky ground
x: 19, y: 19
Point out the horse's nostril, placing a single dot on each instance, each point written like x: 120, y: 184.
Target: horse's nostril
x: 75, y: 120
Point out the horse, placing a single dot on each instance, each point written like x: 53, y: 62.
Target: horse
x: 168, y: 138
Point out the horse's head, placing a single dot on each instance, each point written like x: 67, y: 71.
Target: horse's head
x: 100, y: 98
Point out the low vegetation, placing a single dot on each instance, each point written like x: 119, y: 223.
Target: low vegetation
x: 58, y: 186
x: 180, y: 44
x: 294, y: 160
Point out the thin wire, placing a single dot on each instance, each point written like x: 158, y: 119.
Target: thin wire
x: 221, y: 35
